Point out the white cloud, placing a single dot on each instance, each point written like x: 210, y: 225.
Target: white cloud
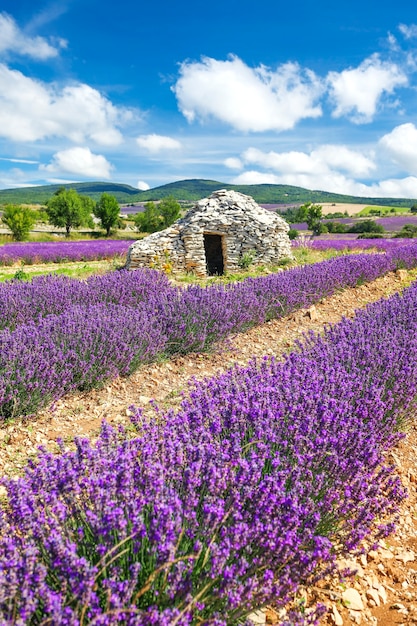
x: 357, y: 92
x: 80, y: 161
x: 142, y: 185
x: 12, y: 39
x: 28, y: 161
x: 154, y: 144
x: 345, y: 159
x: 233, y: 163
x: 409, y: 32
x: 400, y: 145
x: 248, y: 99
x: 31, y: 110
x: 320, y: 161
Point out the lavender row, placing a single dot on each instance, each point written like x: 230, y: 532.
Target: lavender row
x: 59, y: 251
x: 57, y: 326
x: 209, y: 308
x: 264, y: 477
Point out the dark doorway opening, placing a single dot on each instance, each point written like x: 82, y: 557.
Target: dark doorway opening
x: 214, y: 254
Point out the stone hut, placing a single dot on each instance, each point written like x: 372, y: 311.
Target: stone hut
x: 214, y: 235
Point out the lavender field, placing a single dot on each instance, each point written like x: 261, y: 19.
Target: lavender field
x: 80, y: 333
x: 345, y: 242
x: 60, y: 251
x: 255, y: 486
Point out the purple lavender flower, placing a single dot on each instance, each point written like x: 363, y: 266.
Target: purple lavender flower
x: 262, y: 478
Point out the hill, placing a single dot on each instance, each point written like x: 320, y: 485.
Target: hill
x: 192, y: 190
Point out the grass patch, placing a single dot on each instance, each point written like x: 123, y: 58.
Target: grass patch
x: 382, y: 211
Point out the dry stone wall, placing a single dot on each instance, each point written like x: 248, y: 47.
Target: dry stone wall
x: 214, y: 235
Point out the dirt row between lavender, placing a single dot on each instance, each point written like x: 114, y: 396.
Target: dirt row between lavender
x: 383, y: 592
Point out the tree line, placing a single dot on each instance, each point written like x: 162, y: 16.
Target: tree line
x: 68, y: 209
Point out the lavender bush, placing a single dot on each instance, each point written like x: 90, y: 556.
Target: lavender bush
x: 59, y: 251
x: 263, y: 477
x: 50, y: 325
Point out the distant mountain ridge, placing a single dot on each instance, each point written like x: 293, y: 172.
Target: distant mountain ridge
x: 192, y: 190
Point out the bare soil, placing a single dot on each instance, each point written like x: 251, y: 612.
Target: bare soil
x: 386, y: 579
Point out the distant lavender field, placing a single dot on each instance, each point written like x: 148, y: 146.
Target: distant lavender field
x: 132, y: 210
x: 58, y: 251
x: 397, y: 222
x: 343, y: 242
x: 391, y: 224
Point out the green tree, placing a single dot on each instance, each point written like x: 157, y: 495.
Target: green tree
x: 170, y: 210
x: 19, y: 219
x: 314, y: 215
x: 67, y: 209
x: 408, y: 231
x: 366, y: 226
x: 150, y: 220
x: 107, y: 210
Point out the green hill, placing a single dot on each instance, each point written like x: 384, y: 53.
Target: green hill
x: 192, y: 190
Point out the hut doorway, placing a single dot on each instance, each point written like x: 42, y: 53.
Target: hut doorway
x: 214, y: 254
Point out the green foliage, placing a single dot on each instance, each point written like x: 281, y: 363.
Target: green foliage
x: 19, y: 219
x: 170, y: 210
x: 158, y: 216
x: 336, y: 215
x: 68, y: 210
x: 247, y: 259
x: 408, y: 231
x: 413, y: 209
x: 336, y: 227
x: 320, y: 228
x: 366, y: 226
x: 293, y: 233
x: 150, y: 221
x: 314, y: 215
x: 107, y: 211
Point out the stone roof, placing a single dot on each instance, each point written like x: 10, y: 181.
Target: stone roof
x: 240, y: 223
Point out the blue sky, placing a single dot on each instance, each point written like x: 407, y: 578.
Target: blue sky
x: 318, y: 94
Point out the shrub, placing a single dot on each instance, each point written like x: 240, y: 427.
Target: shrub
x: 366, y: 226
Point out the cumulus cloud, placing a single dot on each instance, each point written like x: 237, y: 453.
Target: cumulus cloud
x: 233, y: 163
x: 142, y: 185
x: 12, y: 39
x: 328, y: 168
x: 154, y: 144
x: 320, y: 161
x: 31, y: 110
x: 400, y: 145
x: 345, y: 159
x: 79, y: 161
x: 248, y: 99
x: 409, y: 31
x: 356, y: 93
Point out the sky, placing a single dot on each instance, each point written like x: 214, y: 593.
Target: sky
x: 318, y: 94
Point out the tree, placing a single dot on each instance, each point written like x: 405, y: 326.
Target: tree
x: 366, y: 226
x: 107, y: 210
x: 170, y: 210
x: 150, y: 220
x: 19, y: 219
x: 66, y: 209
x: 413, y: 209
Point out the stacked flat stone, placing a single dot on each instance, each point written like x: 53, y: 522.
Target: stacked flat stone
x: 243, y: 225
